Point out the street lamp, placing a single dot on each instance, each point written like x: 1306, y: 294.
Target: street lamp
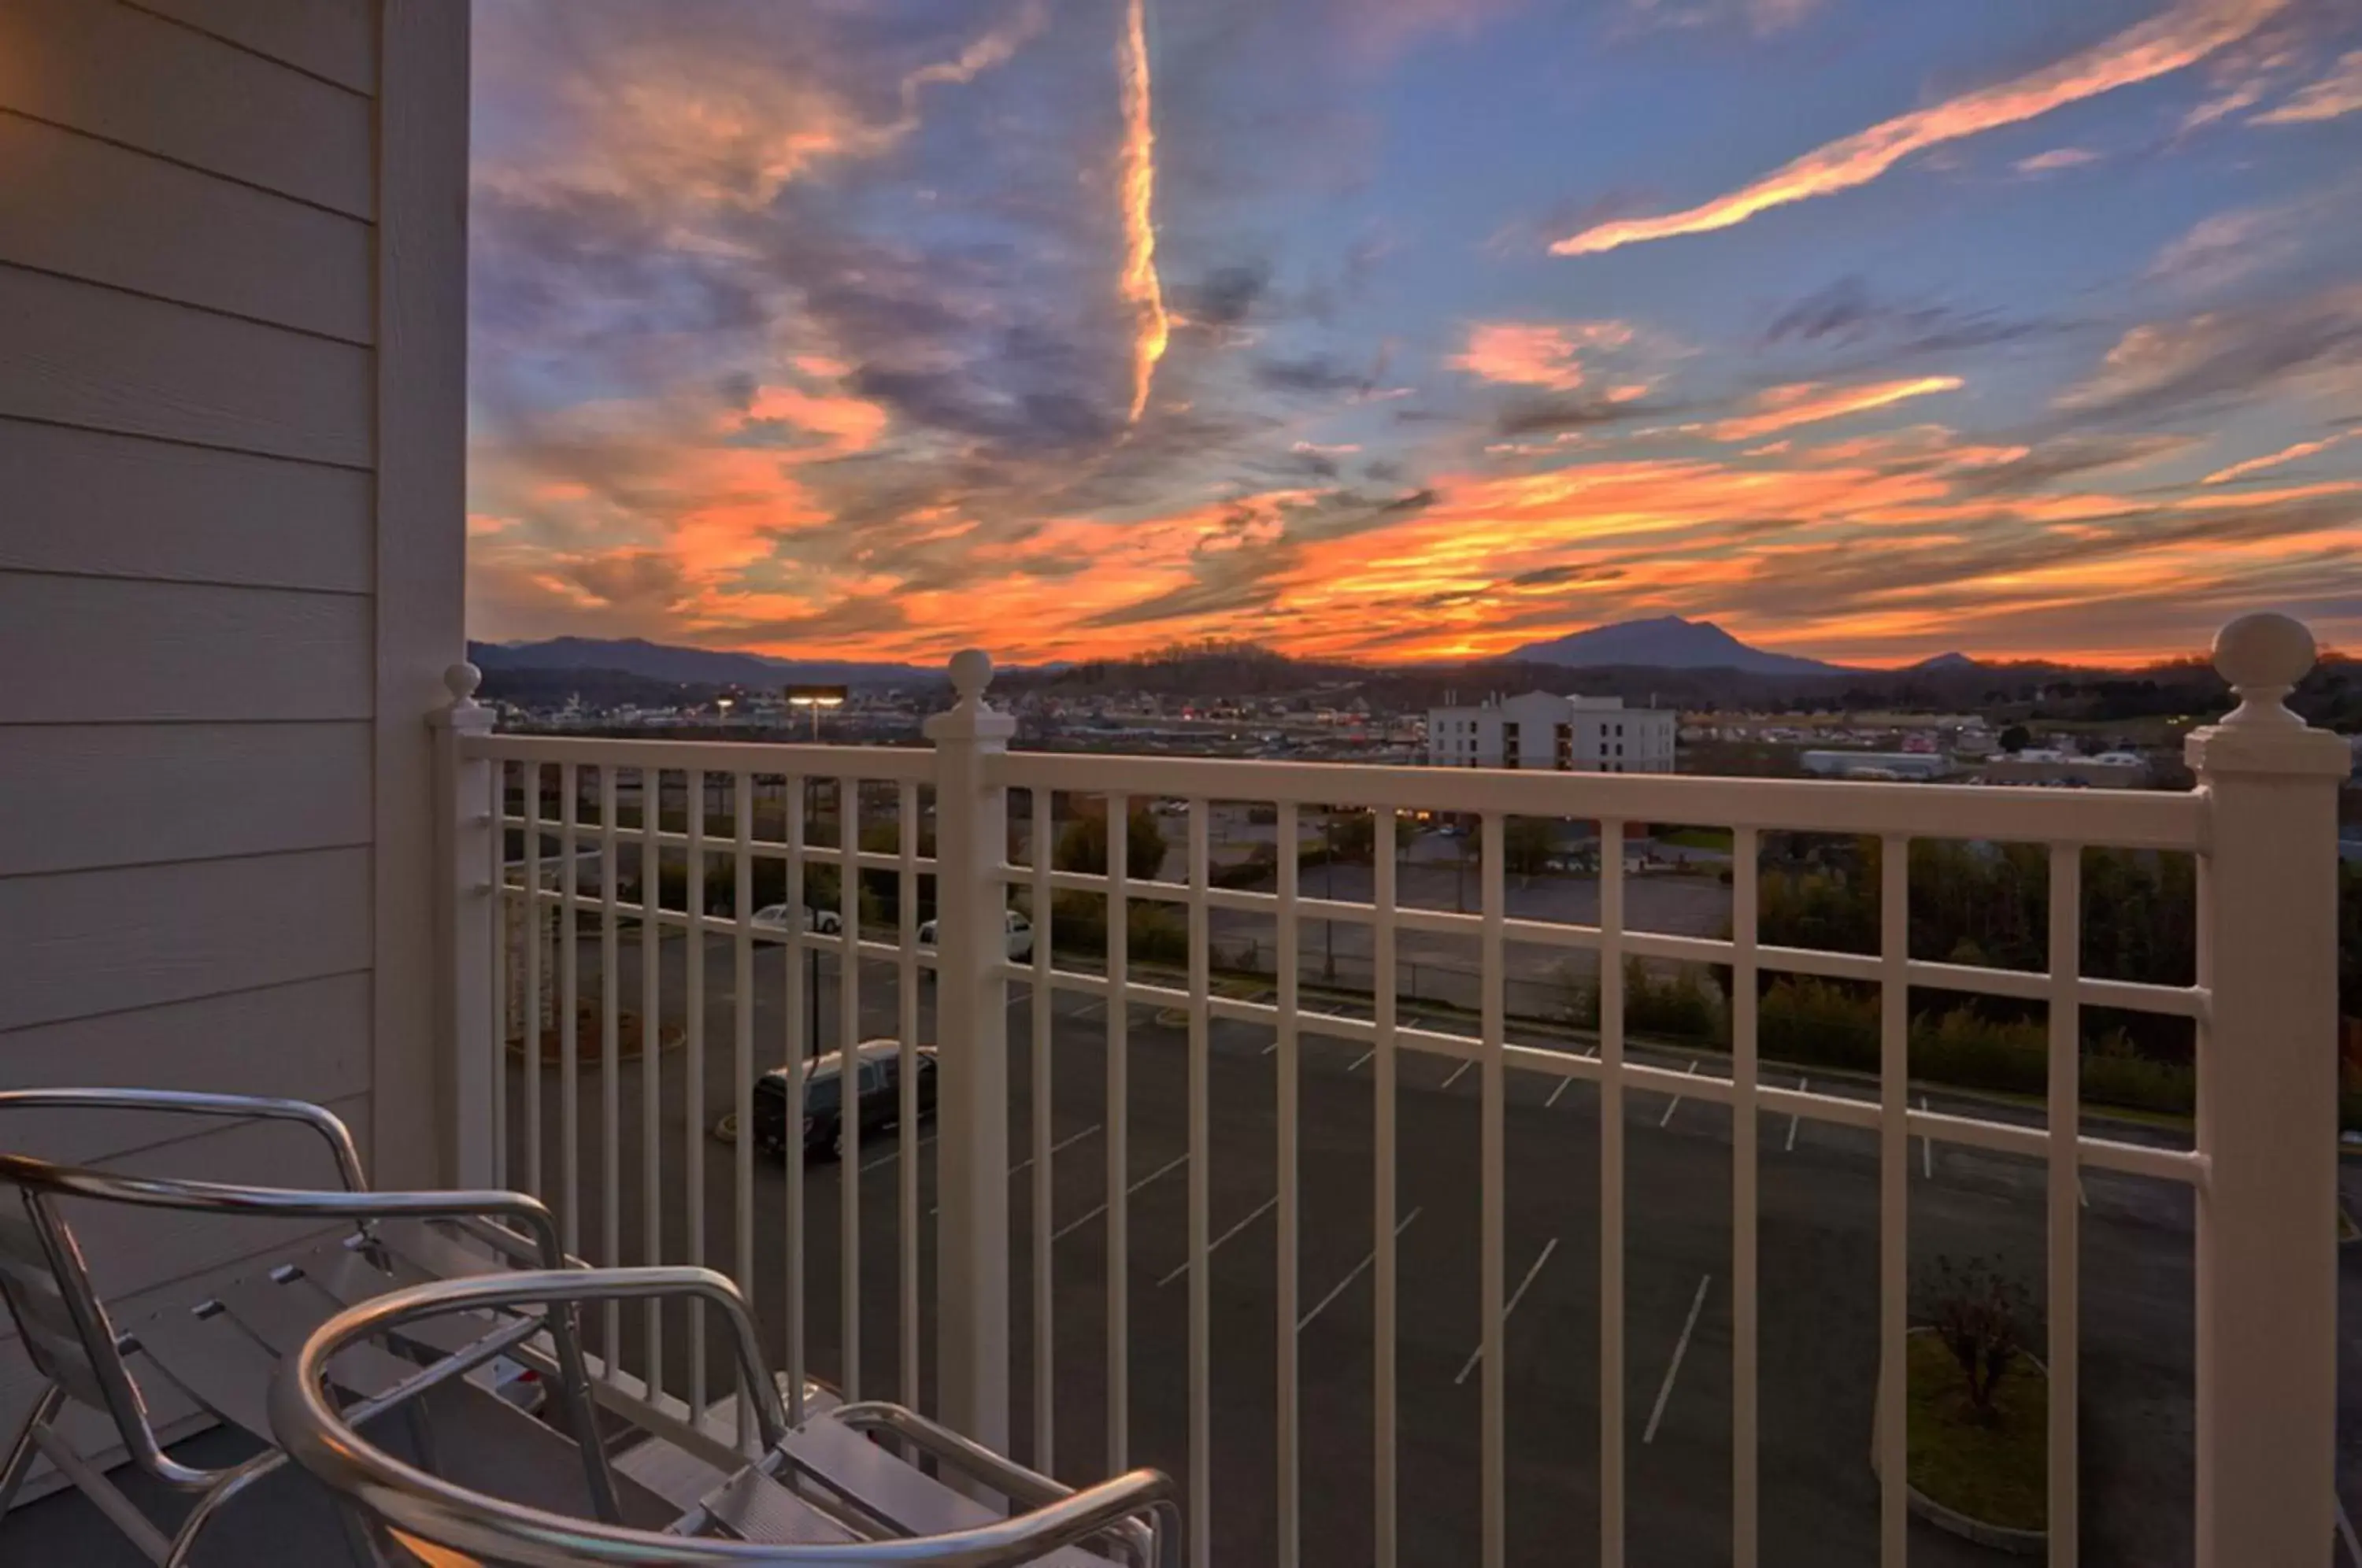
x: 815, y: 699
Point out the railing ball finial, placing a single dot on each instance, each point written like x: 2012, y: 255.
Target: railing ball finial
x: 461, y: 680
x: 971, y: 673
x: 2262, y: 656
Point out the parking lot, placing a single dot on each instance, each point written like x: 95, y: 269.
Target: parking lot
x: 1817, y: 1207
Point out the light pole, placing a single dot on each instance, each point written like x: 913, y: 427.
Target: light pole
x: 815, y: 699
x: 1328, y: 891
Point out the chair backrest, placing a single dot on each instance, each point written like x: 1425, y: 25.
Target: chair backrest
x: 46, y: 1283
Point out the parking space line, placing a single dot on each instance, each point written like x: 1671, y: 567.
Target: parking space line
x: 2345, y: 1530
x: 1091, y: 1009
x: 1074, y: 1225
x: 1802, y: 1084
x: 1681, y: 1348
x: 1362, y: 1058
x: 1454, y: 1078
x: 1272, y: 1046
x: 1477, y: 1354
x: 1666, y: 1119
x: 1926, y: 1149
x: 1061, y: 1145
x: 1268, y: 1205
x: 891, y: 1155
x: 1556, y: 1092
x: 1358, y: 1269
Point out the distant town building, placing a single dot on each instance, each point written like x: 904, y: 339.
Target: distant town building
x: 2108, y: 770
x: 1541, y: 729
x: 1913, y: 766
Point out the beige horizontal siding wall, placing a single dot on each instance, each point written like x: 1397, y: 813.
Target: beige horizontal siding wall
x: 212, y: 759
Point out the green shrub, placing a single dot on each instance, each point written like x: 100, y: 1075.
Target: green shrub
x: 1805, y: 1020
x: 1685, y: 1005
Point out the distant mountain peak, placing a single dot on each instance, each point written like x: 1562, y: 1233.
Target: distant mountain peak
x: 1667, y: 642
x: 1948, y: 661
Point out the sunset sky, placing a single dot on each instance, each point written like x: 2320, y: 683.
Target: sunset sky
x: 1400, y: 329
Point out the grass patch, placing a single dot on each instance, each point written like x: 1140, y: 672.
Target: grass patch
x: 1698, y: 839
x: 1993, y: 1472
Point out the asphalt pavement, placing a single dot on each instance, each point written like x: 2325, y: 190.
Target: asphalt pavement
x: 1817, y: 1205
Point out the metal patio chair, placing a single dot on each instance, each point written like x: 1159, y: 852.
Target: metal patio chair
x: 823, y: 1493
x: 223, y: 1351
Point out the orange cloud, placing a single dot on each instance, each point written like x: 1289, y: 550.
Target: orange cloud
x: 852, y: 424
x: 2179, y: 38
x: 1808, y: 403
x: 1538, y: 353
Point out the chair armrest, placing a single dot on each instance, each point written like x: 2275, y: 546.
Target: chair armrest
x: 188, y: 1103
x: 1028, y: 1488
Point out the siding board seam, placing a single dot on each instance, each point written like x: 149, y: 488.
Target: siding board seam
x: 241, y: 584
x: 210, y: 174
x: 83, y: 280
x: 10, y: 1034
x: 163, y: 862
x: 246, y: 48
x: 368, y: 468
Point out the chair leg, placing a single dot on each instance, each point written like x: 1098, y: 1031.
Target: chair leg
x: 582, y: 1412
x: 213, y: 1500
x: 21, y: 1449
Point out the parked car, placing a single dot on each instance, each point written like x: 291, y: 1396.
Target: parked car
x: 782, y: 917
x: 1021, y: 937
x: 879, y: 1095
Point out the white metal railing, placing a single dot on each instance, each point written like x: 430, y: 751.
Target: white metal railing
x: 2261, y: 824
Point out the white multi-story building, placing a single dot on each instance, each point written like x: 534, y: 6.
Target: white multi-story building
x: 1541, y: 729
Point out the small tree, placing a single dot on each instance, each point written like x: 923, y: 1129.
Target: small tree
x: 1083, y: 847
x: 1528, y: 843
x: 1979, y: 1315
x: 2015, y: 739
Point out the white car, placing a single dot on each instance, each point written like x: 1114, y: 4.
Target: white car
x: 1020, y: 938
x: 782, y: 917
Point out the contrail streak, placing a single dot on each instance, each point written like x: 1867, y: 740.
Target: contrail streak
x: 1142, y: 289
x: 2176, y: 39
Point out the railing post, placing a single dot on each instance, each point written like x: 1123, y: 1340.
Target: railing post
x: 971, y: 1037
x: 2266, y: 1383
x: 467, y: 819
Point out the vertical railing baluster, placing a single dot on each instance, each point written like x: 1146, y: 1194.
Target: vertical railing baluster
x: 1383, y: 1295
x: 802, y: 1039
x: 848, y: 1078
x: 1045, y: 1384
x: 693, y: 1096
x: 1611, y: 1193
x: 1118, y: 1135
x: 467, y: 934
x: 503, y: 961
x: 972, y: 1064
x: 1492, y: 1198
x: 533, y: 979
x: 651, y: 1057
x: 1201, y: 1348
x: 2065, y: 1266
x: 906, y: 1080
x: 1744, y: 1208
x: 742, y: 1037
x: 1289, y: 1394
x: 569, y: 1044
x: 1893, y: 1193
x: 611, y: 1046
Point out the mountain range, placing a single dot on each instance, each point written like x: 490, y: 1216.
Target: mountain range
x: 690, y: 667
x: 1665, y: 642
